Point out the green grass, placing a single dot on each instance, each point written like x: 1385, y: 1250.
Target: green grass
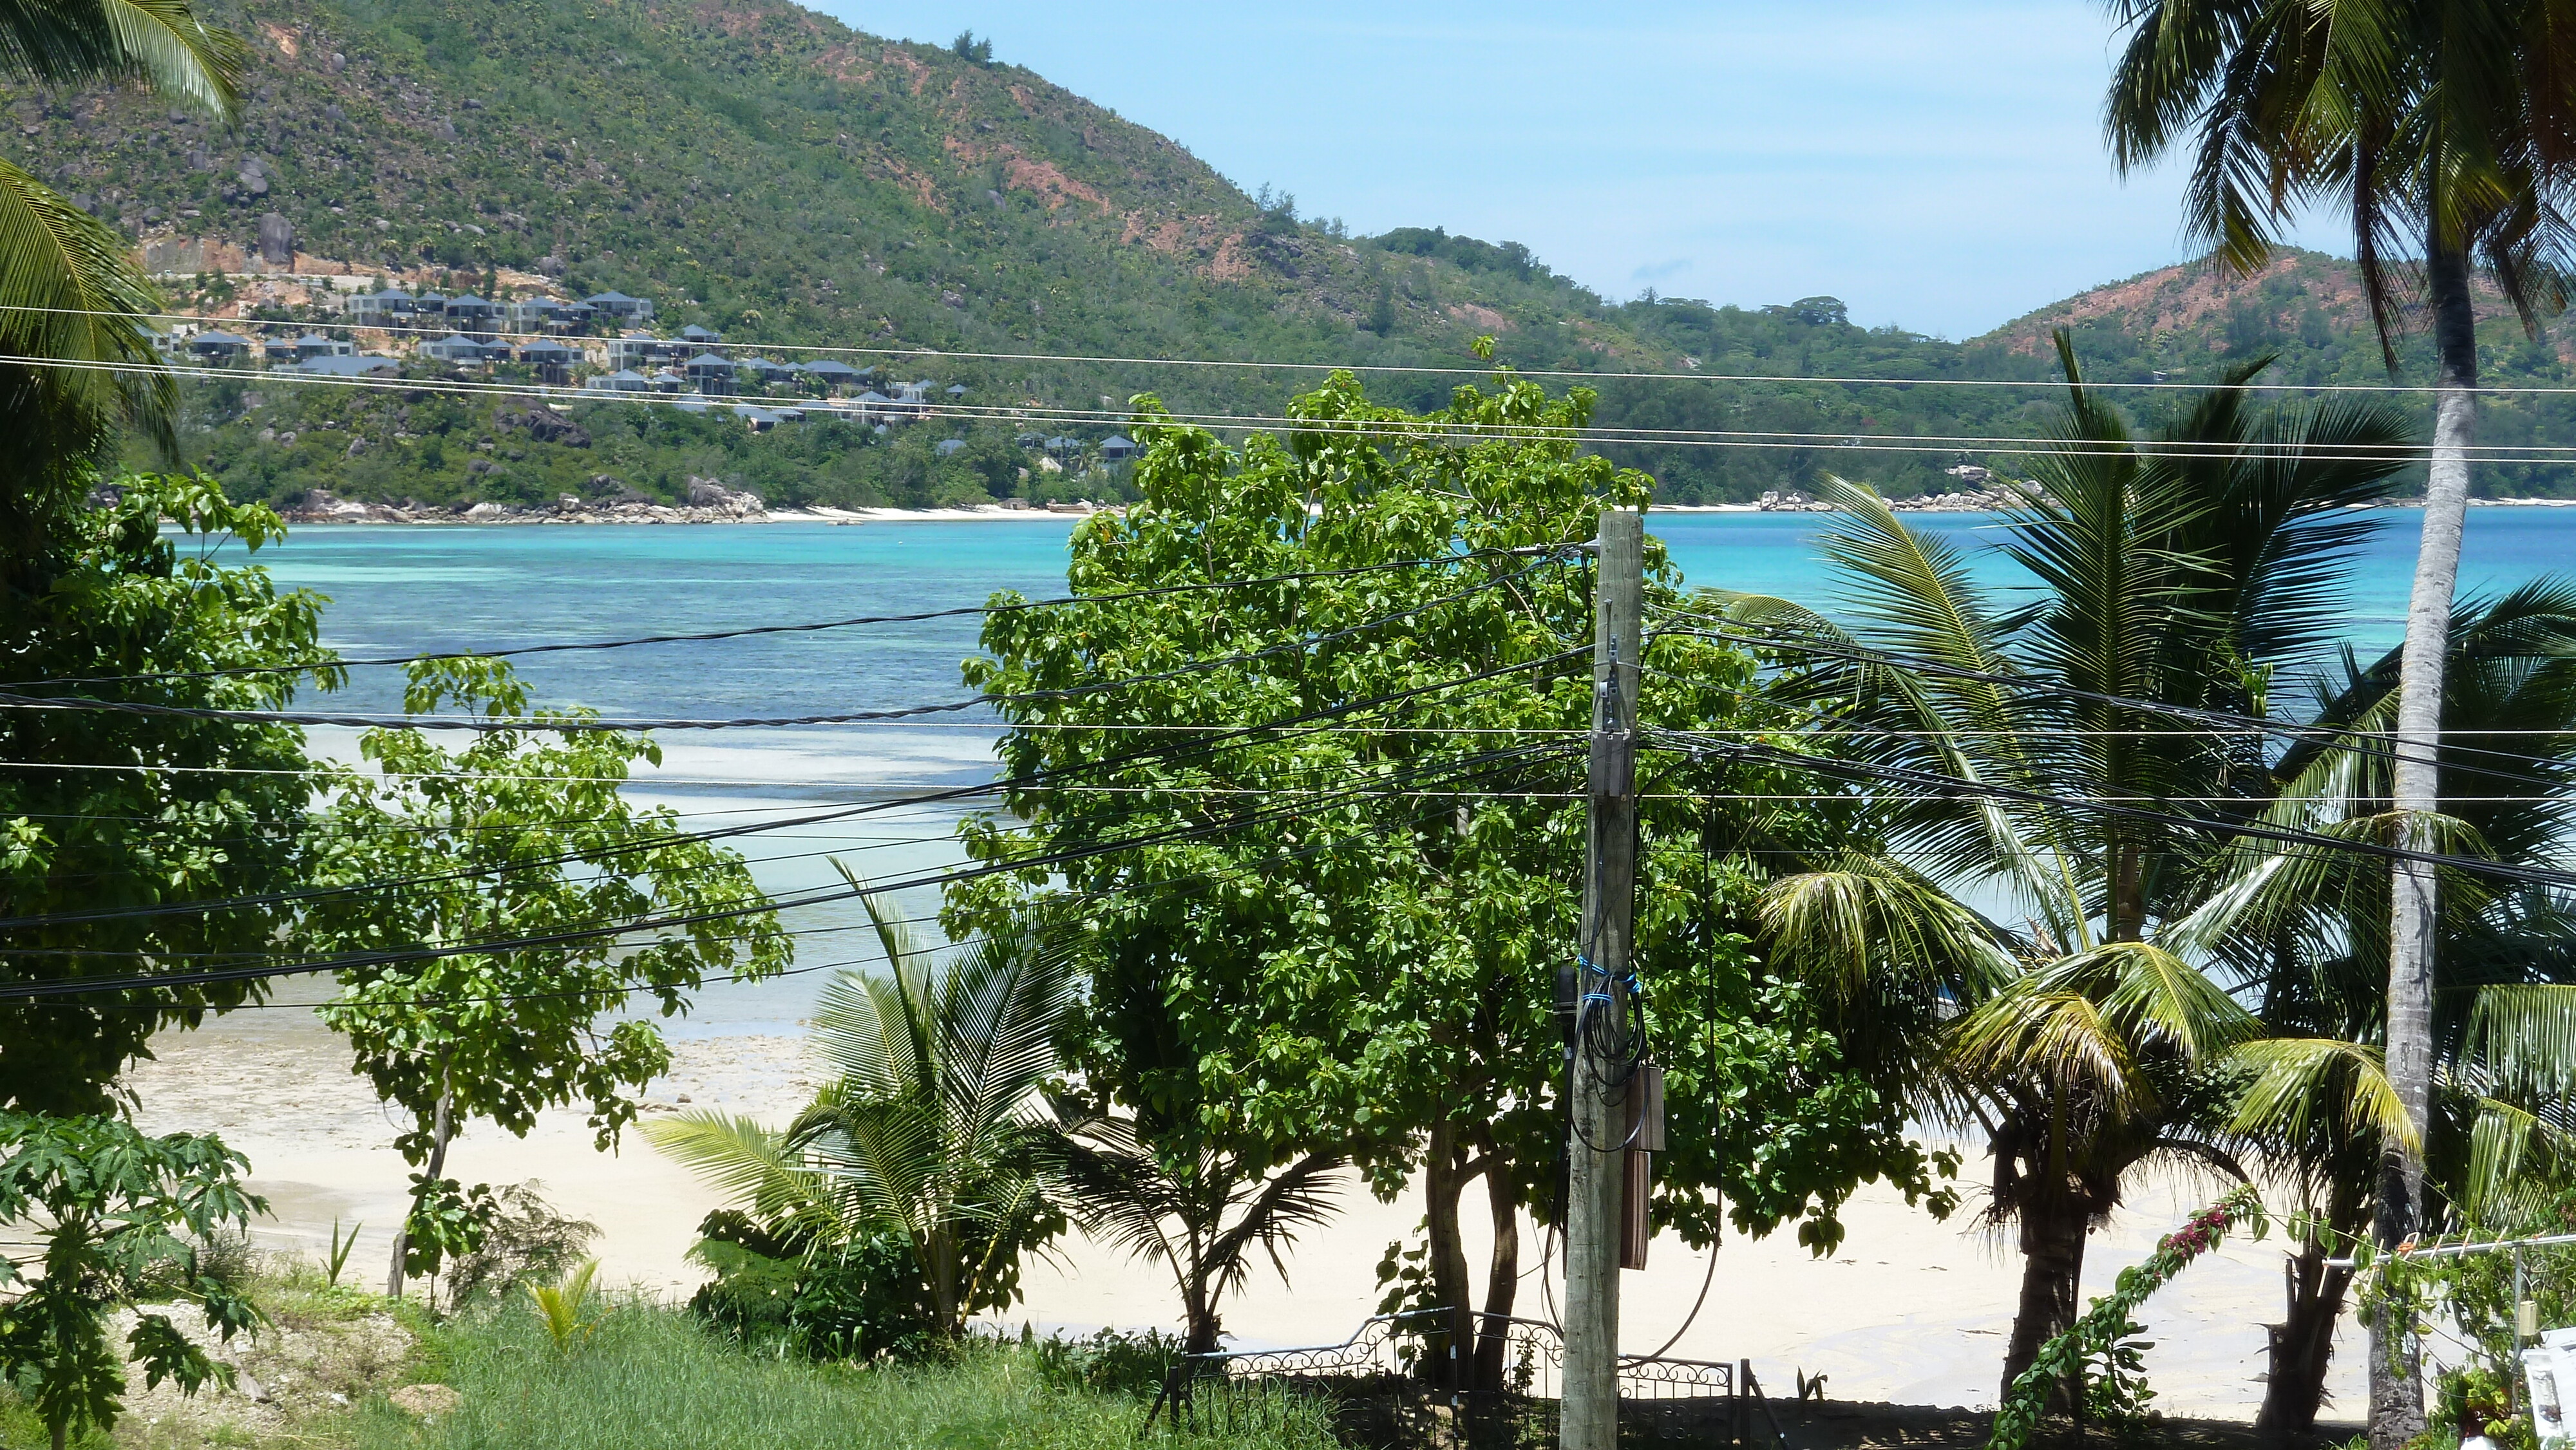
x: 652, y: 1377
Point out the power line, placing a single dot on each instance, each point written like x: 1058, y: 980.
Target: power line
x: 576, y: 723
x: 209, y: 976
x: 1429, y: 428
x: 1244, y: 871
x: 2328, y: 736
x: 1465, y: 370
x: 1953, y: 787
x: 1182, y: 751
x: 813, y: 627
x: 1377, y: 787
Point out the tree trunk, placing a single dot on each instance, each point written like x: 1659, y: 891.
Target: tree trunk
x: 1442, y: 1182
x: 1502, y: 1278
x: 2052, y: 1271
x: 2301, y: 1347
x: 439, y: 1129
x: 2396, y: 1381
x: 1203, y: 1328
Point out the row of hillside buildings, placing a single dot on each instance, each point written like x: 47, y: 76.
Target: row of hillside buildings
x: 631, y: 362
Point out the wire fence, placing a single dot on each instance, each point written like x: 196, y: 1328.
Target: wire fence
x: 1402, y: 1381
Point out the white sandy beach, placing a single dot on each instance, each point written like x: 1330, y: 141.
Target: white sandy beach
x: 1908, y: 1310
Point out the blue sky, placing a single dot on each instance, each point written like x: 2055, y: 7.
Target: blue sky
x: 1939, y: 166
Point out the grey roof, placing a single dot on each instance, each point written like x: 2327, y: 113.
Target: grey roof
x: 467, y: 299
x: 833, y: 368
x: 695, y: 331
x: 956, y: 390
x: 219, y: 339
x: 947, y: 446
x: 710, y: 360
x: 1117, y: 440
x: 621, y: 379
x: 599, y: 297
x: 547, y: 349
x: 315, y: 339
x: 873, y: 396
x: 346, y: 366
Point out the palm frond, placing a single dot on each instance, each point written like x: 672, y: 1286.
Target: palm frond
x: 1840, y: 927
x: 2294, y: 1085
x: 752, y: 1166
x: 2148, y: 994
x: 70, y: 292
x: 2525, y: 1034
x: 162, y: 44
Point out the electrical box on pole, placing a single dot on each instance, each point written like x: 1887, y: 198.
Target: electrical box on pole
x: 1601, y: 1051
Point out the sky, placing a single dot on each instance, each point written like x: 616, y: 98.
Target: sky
x: 1938, y: 166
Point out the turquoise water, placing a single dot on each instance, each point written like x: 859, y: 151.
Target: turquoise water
x: 398, y: 590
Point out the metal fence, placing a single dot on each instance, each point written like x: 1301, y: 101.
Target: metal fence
x: 1394, y: 1385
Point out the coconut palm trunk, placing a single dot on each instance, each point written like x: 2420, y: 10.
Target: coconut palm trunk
x: 2396, y: 1380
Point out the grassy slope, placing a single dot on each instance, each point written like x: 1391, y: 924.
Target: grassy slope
x: 763, y: 170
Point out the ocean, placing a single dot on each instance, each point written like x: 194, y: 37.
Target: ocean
x: 400, y: 590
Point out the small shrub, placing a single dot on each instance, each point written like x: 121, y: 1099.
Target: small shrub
x: 524, y: 1242
x: 859, y: 1300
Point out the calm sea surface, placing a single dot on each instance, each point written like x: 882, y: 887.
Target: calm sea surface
x: 407, y: 590
x: 403, y: 590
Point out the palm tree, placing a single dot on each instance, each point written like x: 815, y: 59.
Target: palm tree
x: 2445, y: 126
x: 1173, y: 1209
x: 932, y: 1125
x: 2304, y: 937
x: 70, y: 292
x: 2184, y: 567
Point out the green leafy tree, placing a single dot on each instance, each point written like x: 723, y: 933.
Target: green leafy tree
x: 521, y: 834
x: 122, y: 814
x: 932, y: 1132
x: 1354, y: 950
x: 2442, y: 127
x: 111, y: 1212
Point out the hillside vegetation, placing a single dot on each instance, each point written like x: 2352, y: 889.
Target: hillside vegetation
x: 765, y: 171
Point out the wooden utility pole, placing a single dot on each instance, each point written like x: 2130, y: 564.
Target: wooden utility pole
x: 1595, y: 1162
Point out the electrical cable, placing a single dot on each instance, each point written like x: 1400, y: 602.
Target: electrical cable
x: 1182, y: 750
x: 2330, y: 737
x: 1973, y: 790
x: 578, y: 723
x: 1477, y: 369
x: 765, y: 905
x: 1427, y: 429
x: 1246, y: 871
x: 769, y: 629
x: 1413, y: 771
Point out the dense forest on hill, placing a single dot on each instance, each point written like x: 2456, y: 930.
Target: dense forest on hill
x: 762, y: 170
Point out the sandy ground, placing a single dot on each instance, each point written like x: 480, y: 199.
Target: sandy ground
x: 1908, y: 1310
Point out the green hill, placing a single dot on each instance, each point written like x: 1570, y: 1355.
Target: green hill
x: 764, y: 171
